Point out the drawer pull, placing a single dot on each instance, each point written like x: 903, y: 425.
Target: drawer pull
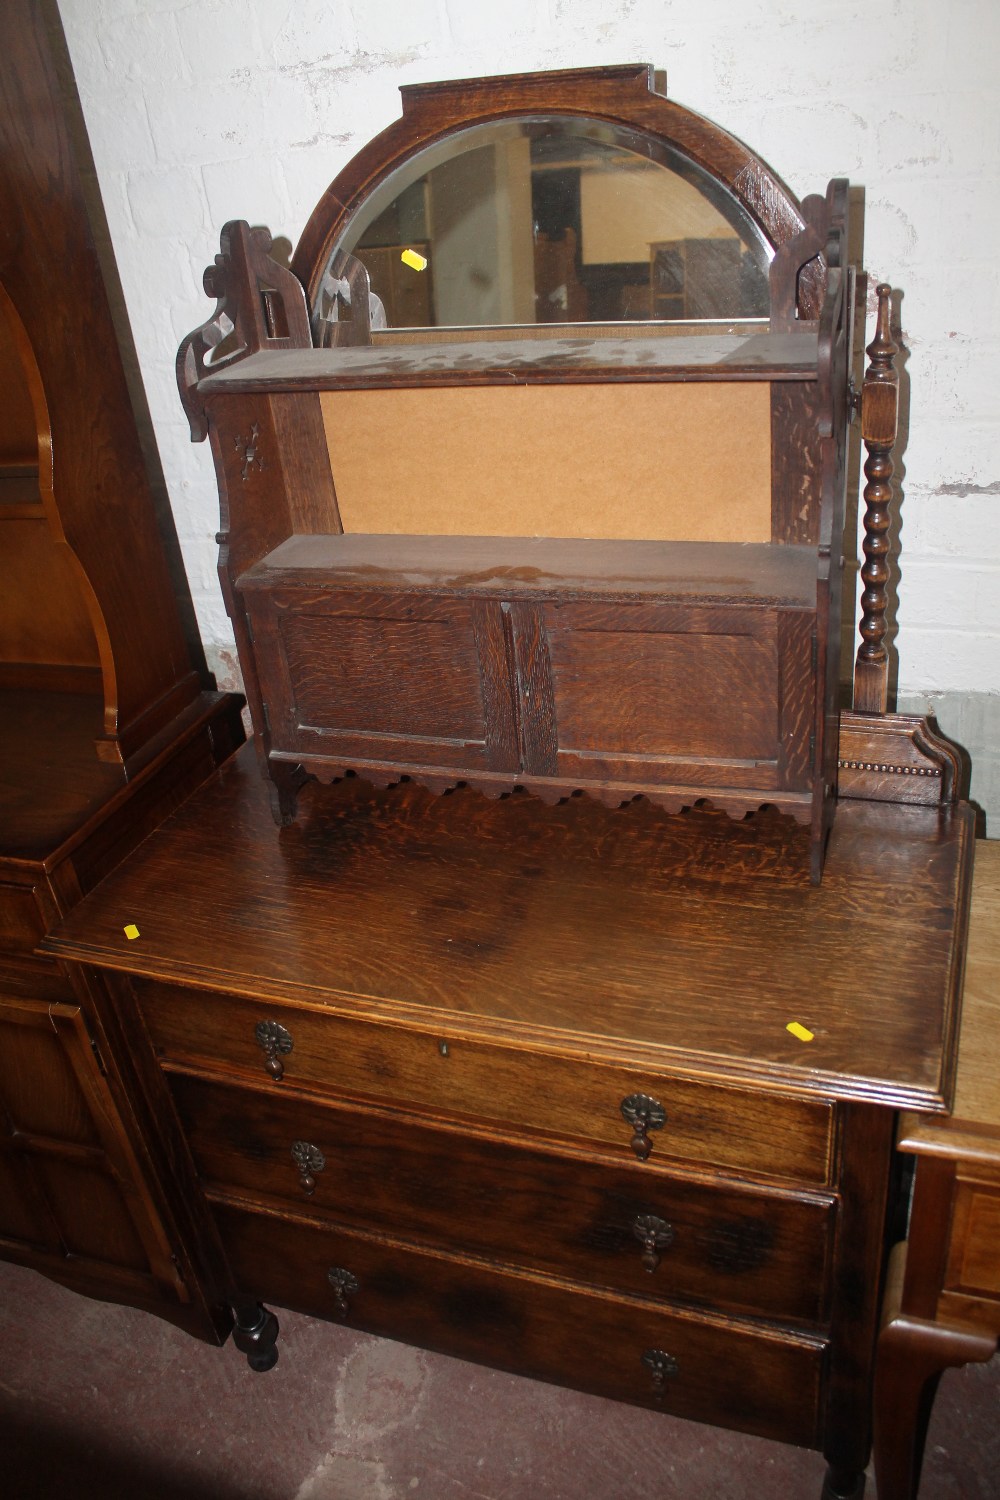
x: 662, y: 1367
x: 309, y: 1160
x: 276, y: 1043
x: 643, y: 1114
x: 345, y: 1285
x: 653, y: 1235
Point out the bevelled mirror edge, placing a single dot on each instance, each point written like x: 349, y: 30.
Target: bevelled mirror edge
x: 620, y: 98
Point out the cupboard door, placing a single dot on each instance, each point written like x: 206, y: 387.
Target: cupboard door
x: 75, y: 1196
x: 397, y: 679
x: 664, y: 693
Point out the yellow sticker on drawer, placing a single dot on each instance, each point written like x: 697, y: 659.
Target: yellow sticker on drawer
x: 131, y: 931
x: 414, y: 260
x: 802, y: 1032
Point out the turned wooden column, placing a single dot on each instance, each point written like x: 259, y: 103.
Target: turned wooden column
x: 879, y: 416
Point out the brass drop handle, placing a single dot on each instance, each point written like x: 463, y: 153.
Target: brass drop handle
x: 653, y: 1235
x: 644, y: 1114
x: 275, y: 1043
x: 309, y: 1159
x: 662, y: 1367
x: 344, y: 1285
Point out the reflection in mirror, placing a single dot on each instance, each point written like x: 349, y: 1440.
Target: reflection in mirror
x: 555, y: 219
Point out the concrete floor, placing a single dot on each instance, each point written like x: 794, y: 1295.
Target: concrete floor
x: 105, y: 1403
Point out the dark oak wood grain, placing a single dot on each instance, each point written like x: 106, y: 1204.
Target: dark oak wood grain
x: 104, y: 724
x: 740, y: 1375
x: 573, y: 1216
x: 471, y: 993
x: 560, y: 360
x: 94, y: 485
x: 437, y: 908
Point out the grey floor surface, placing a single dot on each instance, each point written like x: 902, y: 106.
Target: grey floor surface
x: 105, y: 1403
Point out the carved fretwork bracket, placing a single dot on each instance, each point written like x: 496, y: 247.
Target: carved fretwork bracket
x: 258, y: 305
x: 896, y: 758
x: 816, y: 251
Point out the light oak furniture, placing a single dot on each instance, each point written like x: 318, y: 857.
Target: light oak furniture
x: 943, y: 1306
x: 608, y: 559
x: 105, y: 725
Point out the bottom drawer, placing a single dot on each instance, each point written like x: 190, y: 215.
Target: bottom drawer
x: 712, y: 1370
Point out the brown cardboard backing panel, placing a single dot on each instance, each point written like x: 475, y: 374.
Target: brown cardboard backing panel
x: 661, y: 462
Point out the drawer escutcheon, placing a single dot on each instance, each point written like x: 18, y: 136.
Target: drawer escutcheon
x: 275, y: 1042
x: 345, y: 1285
x: 644, y: 1114
x: 653, y: 1235
x: 662, y: 1367
x: 309, y: 1159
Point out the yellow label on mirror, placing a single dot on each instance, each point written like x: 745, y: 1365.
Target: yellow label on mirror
x: 414, y: 259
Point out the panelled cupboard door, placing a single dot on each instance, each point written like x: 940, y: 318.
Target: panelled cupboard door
x: 69, y: 1200
x: 586, y: 691
x: 338, y: 678
x: 618, y: 692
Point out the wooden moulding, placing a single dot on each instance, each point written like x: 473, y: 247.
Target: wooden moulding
x: 896, y: 758
x: 590, y: 461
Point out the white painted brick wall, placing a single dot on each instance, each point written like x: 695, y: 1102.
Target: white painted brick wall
x: 199, y: 112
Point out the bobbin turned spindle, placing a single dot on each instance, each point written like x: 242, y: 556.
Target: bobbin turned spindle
x: 879, y: 414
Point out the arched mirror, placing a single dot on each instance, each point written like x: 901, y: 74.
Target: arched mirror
x: 552, y: 219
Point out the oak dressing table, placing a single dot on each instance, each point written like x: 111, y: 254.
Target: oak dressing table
x: 464, y: 1051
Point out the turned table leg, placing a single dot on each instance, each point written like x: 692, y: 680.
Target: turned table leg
x: 255, y: 1335
x: 911, y: 1355
x: 840, y: 1484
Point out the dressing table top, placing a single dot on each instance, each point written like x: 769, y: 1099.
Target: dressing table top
x: 628, y: 934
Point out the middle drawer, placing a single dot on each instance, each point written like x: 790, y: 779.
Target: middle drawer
x: 626, y: 1228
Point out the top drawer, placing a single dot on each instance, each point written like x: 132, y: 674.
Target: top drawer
x: 533, y: 1092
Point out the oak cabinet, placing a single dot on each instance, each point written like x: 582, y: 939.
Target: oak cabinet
x: 105, y: 722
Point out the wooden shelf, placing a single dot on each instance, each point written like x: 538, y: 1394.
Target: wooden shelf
x: 766, y: 574
x: 580, y: 360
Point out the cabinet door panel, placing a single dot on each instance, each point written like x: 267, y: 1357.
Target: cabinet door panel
x: 78, y: 1185
x: 409, y: 679
x: 39, y: 1087
x: 24, y: 1216
x: 663, y: 694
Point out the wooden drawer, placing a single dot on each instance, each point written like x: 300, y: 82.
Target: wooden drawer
x: 753, y: 1380
x: 971, y: 1284
x: 540, y: 1094
x: 722, y: 1246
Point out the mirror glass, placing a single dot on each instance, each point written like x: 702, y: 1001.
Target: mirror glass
x: 554, y: 219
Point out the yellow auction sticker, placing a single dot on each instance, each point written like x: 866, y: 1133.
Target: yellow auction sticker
x: 802, y: 1032
x: 414, y: 260
x: 131, y: 931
